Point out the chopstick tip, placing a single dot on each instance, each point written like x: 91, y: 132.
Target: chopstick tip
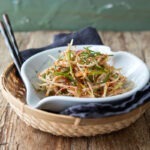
x: 4, y: 15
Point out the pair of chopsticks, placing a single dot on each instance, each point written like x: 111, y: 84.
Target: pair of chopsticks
x: 8, y: 34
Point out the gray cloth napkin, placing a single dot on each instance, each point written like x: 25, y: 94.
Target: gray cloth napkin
x: 90, y: 36
x: 84, y: 36
x: 98, y: 110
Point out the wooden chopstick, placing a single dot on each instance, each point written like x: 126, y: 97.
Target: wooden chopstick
x: 10, y: 46
x: 12, y: 37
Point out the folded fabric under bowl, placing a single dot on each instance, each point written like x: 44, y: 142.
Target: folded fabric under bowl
x: 90, y: 36
x: 98, y: 110
x: 84, y: 36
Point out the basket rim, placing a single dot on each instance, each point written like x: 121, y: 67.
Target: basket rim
x: 25, y: 109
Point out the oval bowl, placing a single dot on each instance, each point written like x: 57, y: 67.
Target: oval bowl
x: 132, y: 67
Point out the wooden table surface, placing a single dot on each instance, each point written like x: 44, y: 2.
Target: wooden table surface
x: 15, y: 134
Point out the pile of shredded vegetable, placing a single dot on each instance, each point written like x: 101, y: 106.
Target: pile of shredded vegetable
x: 82, y: 73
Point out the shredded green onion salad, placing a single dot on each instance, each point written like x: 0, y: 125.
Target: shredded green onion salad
x: 82, y: 73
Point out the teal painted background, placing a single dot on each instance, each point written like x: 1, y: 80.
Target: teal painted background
x: 27, y: 15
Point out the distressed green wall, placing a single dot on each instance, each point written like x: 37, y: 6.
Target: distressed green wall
x: 29, y: 15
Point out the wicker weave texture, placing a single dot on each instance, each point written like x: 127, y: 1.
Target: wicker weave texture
x: 72, y: 130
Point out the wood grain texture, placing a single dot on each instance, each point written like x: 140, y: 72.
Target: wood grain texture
x: 15, y: 134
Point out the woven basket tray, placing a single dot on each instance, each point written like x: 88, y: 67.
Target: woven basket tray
x: 14, y: 91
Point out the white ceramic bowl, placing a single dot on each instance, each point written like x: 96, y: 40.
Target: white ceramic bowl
x: 132, y: 67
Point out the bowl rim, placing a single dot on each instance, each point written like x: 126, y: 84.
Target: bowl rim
x: 86, y: 100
